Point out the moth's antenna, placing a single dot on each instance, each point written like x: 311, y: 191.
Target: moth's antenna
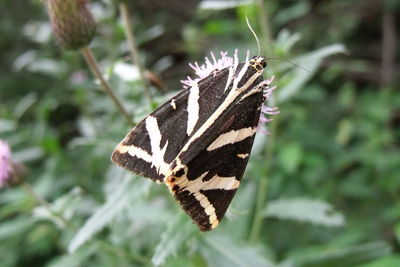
x: 273, y: 58
x: 290, y: 62
x: 255, y: 35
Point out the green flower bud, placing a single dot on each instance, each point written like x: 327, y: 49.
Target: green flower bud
x: 72, y: 23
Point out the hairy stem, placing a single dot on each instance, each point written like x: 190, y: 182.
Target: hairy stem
x: 94, y: 66
x: 263, y: 184
x: 127, y: 18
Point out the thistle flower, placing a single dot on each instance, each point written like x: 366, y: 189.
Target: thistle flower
x: 5, y: 163
x: 72, y: 23
x: 225, y: 61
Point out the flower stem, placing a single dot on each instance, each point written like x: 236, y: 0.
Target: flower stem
x: 263, y: 184
x: 127, y: 18
x: 39, y: 199
x: 263, y: 19
x: 94, y: 66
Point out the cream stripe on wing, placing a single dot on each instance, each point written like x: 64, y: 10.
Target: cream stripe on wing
x: 216, y: 182
x: 195, y: 186
x: 231, y: 137
x: 155, y: 142
x: 224, y: 183
x: 193, y: 108
x: 243, y: 156
x: 134, y: 152
x: 233, y: 94
x: 256, y: 89
x: 232, y: 71
x: 208, y: 209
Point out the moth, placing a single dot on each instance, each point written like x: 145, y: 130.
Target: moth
x: 198, y: 143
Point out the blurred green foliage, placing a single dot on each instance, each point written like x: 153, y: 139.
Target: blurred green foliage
x: 330, y: 168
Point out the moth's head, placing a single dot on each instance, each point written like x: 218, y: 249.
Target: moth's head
x: 259, y: 63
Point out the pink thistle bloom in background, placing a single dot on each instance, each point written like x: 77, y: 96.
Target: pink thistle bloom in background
x: 225, y: 61
x: 5, y: 163
x: 207, y: 68
x: 266, y: 110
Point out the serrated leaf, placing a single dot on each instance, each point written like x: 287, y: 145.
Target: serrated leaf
x: 222, y: 250
x: 311, y: 62
x: 173, y: 238
x: 305, y: 210
x: 64, y: 205
x: 128, y: 190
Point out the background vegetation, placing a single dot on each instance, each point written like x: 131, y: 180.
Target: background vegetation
x: 322, y: 189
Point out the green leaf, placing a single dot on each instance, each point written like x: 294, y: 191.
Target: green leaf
x: 225, y: 4
x: 290, y: 156
x: 64, y: 205
x: 7, y: 125
x: 28, y: 154
x: 25, y: 104
x: 311, y: 61
x: 173, y: 238
x: 16, y: 226
x: 297, y: 10
x: 305, y: 210
x: 348, y: 256
x: 237, y: 220
x: 75, y: 259
x: 222, y: 250
x: 388, y: 261
x: 128, y: 190
x: 285, y: 41
x: 397, y: 231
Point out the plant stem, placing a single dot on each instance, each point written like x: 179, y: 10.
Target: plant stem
x: 263, y: 19
x: 269, y: 149
x: 263, y: 184
x: 39, y: 199
x: 94, y: 66
x: 127, y: 18
x: 388, y: 48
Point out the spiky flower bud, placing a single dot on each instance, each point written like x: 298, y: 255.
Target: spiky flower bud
x: 72, y: 23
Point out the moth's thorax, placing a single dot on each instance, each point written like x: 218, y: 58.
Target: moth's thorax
x: 259, y: 63
x: 249, y: 74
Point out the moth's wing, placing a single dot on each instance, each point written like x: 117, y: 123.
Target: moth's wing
x: 210, y: 180
x: 154, y: 143
x: 210, y: 122
x: 137, y: 152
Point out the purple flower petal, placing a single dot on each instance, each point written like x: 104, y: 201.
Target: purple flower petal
x: 5, y: 163
x: 210, y: 66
